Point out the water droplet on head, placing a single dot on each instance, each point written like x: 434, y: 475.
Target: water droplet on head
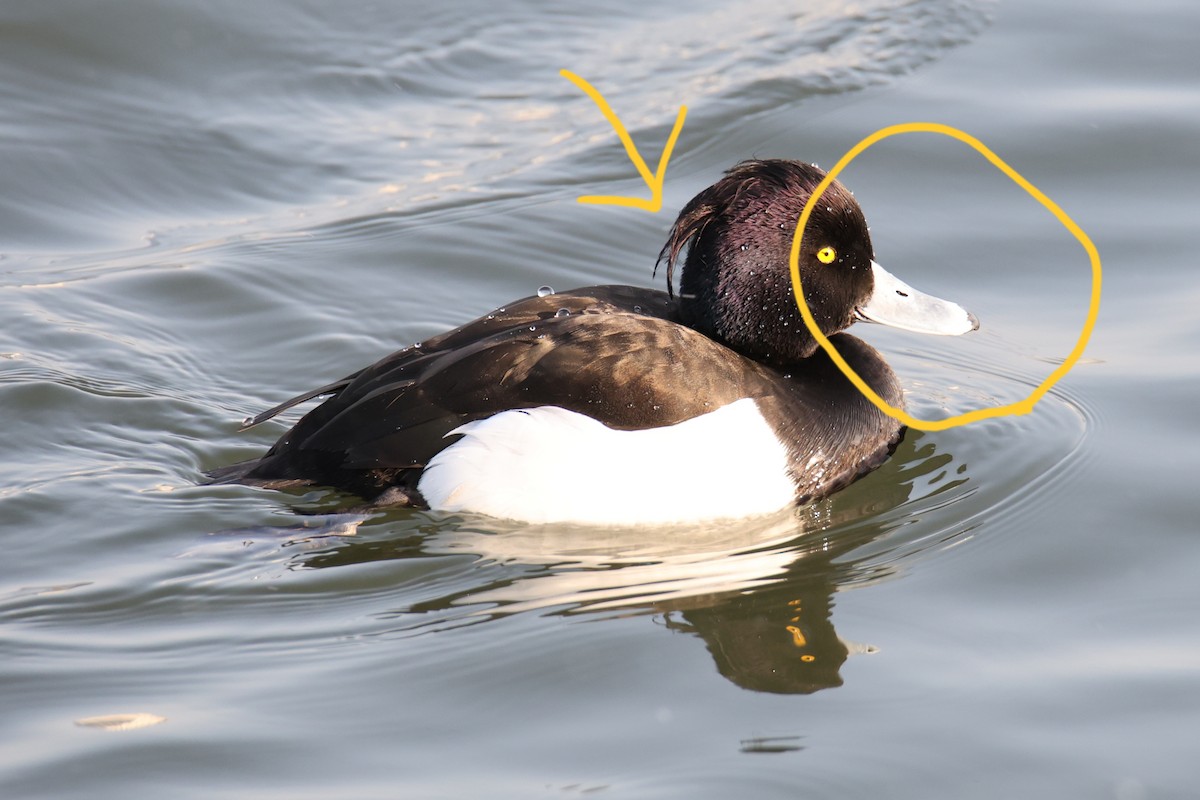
x: 544, y: 291
x: 247, y: 422
x: 637, y: 309
x: 562, y: 312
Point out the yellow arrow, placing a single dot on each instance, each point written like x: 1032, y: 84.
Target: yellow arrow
x: 655, y: 181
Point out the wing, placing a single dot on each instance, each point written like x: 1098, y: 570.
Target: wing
x: 576, y: 350
x: 397, y: 413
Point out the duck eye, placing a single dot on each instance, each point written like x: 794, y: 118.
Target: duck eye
x: 826, y: 255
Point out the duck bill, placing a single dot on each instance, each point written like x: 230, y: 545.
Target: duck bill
x: 895, y: 303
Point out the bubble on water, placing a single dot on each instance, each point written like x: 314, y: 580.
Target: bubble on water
x: 545, y: 291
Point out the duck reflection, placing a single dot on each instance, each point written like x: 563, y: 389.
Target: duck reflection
x: 759, y: 593
x: 779, y: 638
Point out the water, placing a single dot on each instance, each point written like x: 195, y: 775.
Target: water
x: 206, y: 208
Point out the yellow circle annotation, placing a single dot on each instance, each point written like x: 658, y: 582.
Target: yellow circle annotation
x: 1022, y: 407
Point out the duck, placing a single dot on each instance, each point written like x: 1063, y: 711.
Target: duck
x: 621, y: 405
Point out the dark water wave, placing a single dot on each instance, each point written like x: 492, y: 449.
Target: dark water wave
x: 177, y: 116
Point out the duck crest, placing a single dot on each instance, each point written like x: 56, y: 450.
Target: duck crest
x: 736, y: 280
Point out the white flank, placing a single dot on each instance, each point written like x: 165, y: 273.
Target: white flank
x: 548, y: 464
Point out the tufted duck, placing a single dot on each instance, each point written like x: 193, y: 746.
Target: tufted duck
x: 623, y: 405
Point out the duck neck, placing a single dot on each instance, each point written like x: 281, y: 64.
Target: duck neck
x: 746, y: 303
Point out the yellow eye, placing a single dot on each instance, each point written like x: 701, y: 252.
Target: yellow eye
x: 826, y: 255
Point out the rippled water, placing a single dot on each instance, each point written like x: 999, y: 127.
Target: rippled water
x: 206, y: 208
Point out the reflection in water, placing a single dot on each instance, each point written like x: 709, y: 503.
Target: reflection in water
x: 779, y: 639
x: 759, y: 593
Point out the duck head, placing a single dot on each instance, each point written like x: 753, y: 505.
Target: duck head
x: 736, y: 282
